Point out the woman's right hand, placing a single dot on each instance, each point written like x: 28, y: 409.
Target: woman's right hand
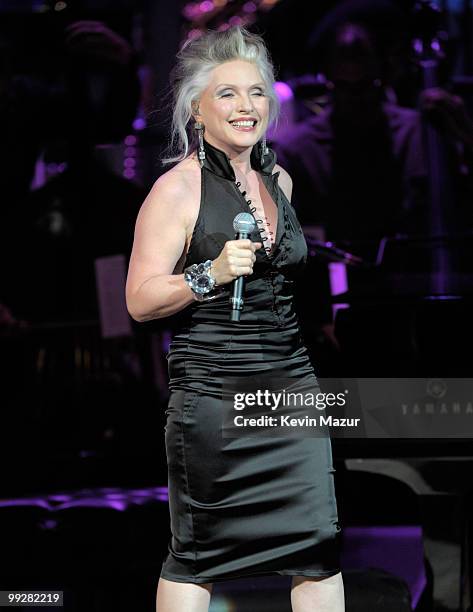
x: 236, y: 259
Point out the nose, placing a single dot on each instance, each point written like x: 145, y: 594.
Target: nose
x: 245, y: 104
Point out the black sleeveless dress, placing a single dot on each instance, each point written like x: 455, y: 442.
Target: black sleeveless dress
x: 250, y: 505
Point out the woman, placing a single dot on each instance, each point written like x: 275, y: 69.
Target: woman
x: 244, y: 506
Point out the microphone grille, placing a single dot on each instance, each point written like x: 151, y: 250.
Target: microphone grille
x: 244, y: 222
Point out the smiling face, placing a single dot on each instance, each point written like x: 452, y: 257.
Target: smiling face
x: 234, y: 107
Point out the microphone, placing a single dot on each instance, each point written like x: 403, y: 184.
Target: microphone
x: 243, y: 224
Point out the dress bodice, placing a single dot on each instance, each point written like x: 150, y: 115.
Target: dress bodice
x: 268, y: 331
x: 222, y: 199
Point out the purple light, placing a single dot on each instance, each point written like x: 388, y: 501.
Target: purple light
x: 283, y: 91
x: 190, y: 11
x: 338, y: 278
x: 249, y: 7
x: 195, y: 33
x: 106, y: 497
x: 130, y: 152
x: 206, y: 6
x: 40, y: 503
x: 139, y: 124
x: 129, y: 173
x: 338, y: 283
x: 60, y: 498
x: 48, y: 524
x: 130, y: 140
x: 418, y: 46
x: 235, y: 20
x: 396, y: 549
x: 130, y: 162
x: 166, y: 341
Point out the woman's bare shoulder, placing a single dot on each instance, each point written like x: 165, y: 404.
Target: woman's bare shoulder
x: 175, y: 193
x: 182, y: 179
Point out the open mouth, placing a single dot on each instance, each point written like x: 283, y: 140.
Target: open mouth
x: 243, y: 125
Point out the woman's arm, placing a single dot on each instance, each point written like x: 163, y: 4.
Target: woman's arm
x: 165, y: 219
x: 152, y: 290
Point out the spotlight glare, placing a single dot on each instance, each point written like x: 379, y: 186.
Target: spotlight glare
x: 129, y: 173
x: 206, y: 6
x: 249, y: 7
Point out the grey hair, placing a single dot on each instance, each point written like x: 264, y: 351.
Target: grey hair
x: 191, y: 75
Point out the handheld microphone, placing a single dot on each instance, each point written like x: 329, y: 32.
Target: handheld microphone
x: 243, y: 224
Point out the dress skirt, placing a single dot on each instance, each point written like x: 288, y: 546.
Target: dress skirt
x: 245, y: 506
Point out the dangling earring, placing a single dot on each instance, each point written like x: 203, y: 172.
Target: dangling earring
x: 264, y: 149
x: 199, y: 126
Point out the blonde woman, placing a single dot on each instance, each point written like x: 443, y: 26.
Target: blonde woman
x: 247, y: 506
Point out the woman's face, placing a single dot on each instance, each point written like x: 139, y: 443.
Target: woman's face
x: 234, y: 107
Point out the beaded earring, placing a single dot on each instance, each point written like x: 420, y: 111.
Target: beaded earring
x: 264, y: 149
x: 199, y: 126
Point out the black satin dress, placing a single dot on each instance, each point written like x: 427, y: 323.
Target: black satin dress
x: 243, y: 506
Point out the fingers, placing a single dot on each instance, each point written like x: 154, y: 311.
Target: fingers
x: 241, y: 261
x: 236, y: 259
x: 237, y: 271
x: 239, y: 266
x: 242, y: 248
x: 242, y: 257
x: 244, y: 245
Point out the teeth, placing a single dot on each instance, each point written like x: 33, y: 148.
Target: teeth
x: 243, y: 123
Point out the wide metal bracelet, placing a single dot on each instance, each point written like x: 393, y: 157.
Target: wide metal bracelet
x: 199, y: 279
x: 208, y: 297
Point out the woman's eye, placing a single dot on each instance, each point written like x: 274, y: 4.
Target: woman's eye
x: 226, y: 95
x: 258, y: 93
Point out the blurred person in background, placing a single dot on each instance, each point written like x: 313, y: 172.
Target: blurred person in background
x: 361, y: 170
x: 60, y: 106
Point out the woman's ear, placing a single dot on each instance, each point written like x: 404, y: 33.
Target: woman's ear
x: 195, y: 110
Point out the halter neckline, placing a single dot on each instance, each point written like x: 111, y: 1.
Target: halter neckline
x: 218, y: 162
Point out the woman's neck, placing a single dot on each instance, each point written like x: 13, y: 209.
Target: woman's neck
x: 242, y: 165
x: 240, y: 160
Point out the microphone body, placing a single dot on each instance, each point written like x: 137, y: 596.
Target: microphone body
x: 243, y: 224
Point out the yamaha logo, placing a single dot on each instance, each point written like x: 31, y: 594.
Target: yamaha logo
x: 436, y: 388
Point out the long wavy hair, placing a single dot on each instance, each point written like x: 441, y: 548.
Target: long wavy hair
x: 192, y: 72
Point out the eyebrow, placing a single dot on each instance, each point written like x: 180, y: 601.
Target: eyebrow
x: 261, y: 85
